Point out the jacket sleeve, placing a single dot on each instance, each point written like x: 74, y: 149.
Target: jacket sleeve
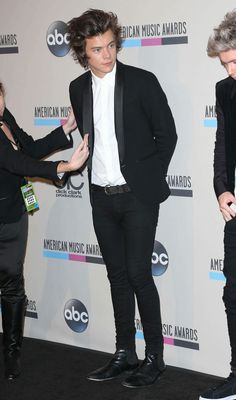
x: 20, y: 164
x: 220, y: 171
x: 76, y: 103
x: 40, y: 148
x: 163, y: 125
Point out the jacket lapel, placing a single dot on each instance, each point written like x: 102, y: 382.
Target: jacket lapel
x: 88, y: 116
x: 10, y: 120
x: 119, y: 117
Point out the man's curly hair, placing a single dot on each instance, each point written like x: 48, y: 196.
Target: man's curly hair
x: 91, y: 23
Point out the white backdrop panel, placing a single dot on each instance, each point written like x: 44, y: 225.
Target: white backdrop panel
x: 63, y: 260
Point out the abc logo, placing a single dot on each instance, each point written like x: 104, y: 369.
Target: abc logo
x: 160, y: 259
x: 73, y: 182
x: 76, y: 315
x: 58, y: 39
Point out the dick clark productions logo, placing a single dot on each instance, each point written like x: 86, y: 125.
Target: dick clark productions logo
x: 58, y: 39
x: 76, y: 315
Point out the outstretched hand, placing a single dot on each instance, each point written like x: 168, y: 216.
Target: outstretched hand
x: 70, y: 125
x: 80, y: 155
x: 78, y: 158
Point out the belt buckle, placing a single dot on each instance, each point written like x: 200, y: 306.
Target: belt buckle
x: 106, y: 190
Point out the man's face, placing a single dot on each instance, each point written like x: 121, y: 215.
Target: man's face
x: 101, y: 52
x: 228, y: 60
x: 2, y: 104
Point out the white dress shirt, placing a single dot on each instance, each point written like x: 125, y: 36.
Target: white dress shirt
x: 105, y: 161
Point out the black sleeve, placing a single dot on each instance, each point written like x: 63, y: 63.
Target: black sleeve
x: 40, y: 148
x: 220, y: 172
x: 20, y: 164
x: 162, y: 121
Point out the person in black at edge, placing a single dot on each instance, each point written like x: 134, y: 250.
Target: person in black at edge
x: 19, y: 154
x: 222, y: 44
x: 132, y: 138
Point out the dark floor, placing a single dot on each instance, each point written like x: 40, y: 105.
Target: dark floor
x: 54, y: 371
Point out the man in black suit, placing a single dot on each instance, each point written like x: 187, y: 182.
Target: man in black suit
x: 222, y: 44
x: 131, y: 138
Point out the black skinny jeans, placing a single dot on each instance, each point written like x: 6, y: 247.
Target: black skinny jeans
x: 125, y: 230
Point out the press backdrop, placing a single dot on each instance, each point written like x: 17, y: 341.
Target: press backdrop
x: 67, y: 287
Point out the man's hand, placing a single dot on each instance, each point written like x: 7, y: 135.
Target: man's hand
x: 78, y: 158
x: 224, y: 199
x: 70, y: 125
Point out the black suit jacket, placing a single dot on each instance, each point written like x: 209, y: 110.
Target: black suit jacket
x: 225, y: 144
x: 15, y: 164
x: 144, y: 128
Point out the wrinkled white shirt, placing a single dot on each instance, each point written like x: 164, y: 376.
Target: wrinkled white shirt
x: 105, y: 160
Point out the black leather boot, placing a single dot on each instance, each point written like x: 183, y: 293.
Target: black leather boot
x: 122, y: 361
x: 13, y: 315
x: 147, y: 373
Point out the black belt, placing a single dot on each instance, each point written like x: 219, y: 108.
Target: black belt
x: 109, y: 190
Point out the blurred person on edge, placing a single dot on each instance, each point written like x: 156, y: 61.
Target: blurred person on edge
x: 222, y: 44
